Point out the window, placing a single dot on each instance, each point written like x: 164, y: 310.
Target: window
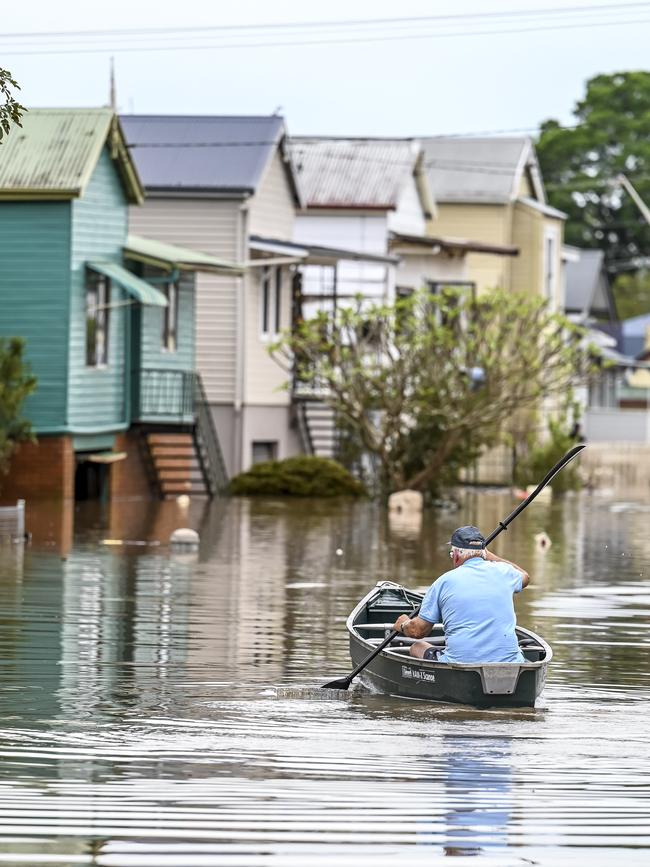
x: 264, y: 450
x: 98, y: 294
x: 550, y: 256
x: 270, y: 300
x: 451, y: 294
x: 170, y: 318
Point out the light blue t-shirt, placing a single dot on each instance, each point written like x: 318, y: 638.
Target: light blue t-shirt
x: 474, y: 603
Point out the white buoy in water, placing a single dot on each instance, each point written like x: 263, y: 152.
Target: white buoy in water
x: 542, y: 541
x: 183, y: 501
x: 185, y: 539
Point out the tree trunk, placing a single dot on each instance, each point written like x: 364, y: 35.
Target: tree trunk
x: 421, y: 479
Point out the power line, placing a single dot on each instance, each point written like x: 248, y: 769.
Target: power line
x: 389, y: 37
x: 553, y: 11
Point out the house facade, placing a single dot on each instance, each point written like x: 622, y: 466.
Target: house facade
x: 375, y: 195
x: 227, y: 185
x: 214, y: 198
x: 108, y: 318
x: 491, y: 190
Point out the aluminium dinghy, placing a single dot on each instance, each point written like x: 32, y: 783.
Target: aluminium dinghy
x: 394, y: 671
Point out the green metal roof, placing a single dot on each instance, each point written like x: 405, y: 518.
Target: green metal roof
x: 135, y: 286
x: 54, y: 153
x: 170, y: 256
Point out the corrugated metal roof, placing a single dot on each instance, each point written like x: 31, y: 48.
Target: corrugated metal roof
x: 54, y: 153
x: 353, y: 173
x: 202, y: 152
x: 475, y: 169
x: 582, y: 279
x: 160, y: 253
x: 135, y: 286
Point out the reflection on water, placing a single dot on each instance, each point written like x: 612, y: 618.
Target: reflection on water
x: 155, y: 708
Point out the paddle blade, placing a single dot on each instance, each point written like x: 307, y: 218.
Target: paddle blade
x: 343, y: 683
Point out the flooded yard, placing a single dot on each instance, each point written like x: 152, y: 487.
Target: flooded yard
x: 155, y: 708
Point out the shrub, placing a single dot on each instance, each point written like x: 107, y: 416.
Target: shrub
x: 16, y: 384
x: 302, y: 476
x: 544, y: 455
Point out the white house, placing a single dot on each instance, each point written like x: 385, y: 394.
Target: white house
x: 374, y: 195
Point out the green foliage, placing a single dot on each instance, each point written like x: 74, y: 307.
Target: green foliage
x: 302, y: 476
x: 423, y: 385
x: 11, y: 111
x: 631, y: 293
x: 16, y: 383
x: 611, y: 136
x: 543, y: 455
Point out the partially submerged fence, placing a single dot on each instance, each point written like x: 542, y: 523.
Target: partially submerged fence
x: 12, y: 522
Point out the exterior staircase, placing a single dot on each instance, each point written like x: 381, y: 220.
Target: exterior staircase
x: 180, y: 444
x: 316, y: 424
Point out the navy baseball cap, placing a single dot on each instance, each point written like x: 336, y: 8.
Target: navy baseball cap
x: 467, y: 537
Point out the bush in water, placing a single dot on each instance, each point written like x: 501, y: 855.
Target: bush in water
x: 302, y: 476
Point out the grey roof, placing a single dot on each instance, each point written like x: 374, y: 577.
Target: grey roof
x: 353, y: 173
x: 202, y: 152
x: 477, y: 169
x: 634, y: 333
x: 586, y: 284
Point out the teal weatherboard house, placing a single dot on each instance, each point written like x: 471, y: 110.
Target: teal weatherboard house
x: 108, y: 319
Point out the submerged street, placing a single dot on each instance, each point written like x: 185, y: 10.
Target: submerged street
x: 158, y: 708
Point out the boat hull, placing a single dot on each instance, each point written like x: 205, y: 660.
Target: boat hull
x: 393, y: 671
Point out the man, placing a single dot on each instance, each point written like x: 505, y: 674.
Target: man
x: 474, y: 603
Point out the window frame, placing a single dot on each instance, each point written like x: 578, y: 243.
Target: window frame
x: 273, y: 450
x: 270, y: 301
x: 98, y: 286
x: 169, y: 332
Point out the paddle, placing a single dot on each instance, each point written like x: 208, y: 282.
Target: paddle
x: 344, y: 682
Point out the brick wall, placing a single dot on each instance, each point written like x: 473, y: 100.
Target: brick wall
x: 40, y: 471
x: 129, y: 477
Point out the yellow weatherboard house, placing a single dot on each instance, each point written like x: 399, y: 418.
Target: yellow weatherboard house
x: 491, y: 189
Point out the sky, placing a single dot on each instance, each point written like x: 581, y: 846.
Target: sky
x: 428, y: 83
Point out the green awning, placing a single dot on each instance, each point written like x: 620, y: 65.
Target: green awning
x: 171, y: 257
x: 135, y: 286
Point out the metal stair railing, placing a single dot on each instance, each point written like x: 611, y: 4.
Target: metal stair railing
x: 304, y: 433
x: 206, y: 438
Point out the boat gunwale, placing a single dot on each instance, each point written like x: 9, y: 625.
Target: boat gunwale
x: 434, y: 664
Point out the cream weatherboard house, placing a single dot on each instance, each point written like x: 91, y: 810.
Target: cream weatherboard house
x: 215, y: 182
x: 491, y: 189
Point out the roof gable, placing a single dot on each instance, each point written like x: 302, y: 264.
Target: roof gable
x: 354, y: 173
x: 481, y: 170
x: 218, y: 154
x: 55, y: 152
x: 587, y: 286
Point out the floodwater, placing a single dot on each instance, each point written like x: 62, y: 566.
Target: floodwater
x: 156, y: 709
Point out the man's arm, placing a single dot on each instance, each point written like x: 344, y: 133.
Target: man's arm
x: 525, y: 577
x: 415, y: 628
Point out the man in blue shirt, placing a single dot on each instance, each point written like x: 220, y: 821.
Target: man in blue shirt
x: 474, y: 603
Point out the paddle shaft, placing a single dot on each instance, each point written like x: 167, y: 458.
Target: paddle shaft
x: 345, y: 682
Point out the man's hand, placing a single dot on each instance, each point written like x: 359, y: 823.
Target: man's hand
x: 401, y: 619
x: 417, y: 627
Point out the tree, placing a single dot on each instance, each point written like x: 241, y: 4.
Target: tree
x: 631, y: 291
x: 611, y: 136
x: 423, y: 385
x: 16, y: 383
x: 11, y: 111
